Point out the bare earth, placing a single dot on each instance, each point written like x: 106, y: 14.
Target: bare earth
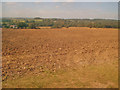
x: 60, y: 58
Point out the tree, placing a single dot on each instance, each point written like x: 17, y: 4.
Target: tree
x: 32, y: 26
x: 37, y: 18
x: 5, y: 25
x: 22, y: 25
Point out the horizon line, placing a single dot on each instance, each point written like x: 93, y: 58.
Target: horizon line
x: 61, y: 18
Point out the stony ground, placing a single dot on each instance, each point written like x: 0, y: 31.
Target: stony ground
x: 72, y: 57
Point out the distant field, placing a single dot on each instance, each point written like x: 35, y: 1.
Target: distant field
x: 60, y: 58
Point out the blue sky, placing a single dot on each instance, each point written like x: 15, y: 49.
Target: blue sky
x: 105, y: 10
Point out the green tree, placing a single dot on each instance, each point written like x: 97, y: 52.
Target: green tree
x: 22, y: 25
x: 32, y: 26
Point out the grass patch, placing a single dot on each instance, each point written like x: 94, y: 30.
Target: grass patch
x: 106, y: 75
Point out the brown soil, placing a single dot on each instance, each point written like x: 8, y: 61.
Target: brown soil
x: 38, y: 51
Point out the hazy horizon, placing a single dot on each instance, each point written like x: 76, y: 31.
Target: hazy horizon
x: 64, y: 10
x: 61, y: 18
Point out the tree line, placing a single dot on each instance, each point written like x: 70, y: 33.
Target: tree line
x: 33, y: 23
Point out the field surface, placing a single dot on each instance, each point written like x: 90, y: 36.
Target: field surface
x: 60, y: 58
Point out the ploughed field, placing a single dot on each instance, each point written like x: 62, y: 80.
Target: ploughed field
x: 60, y: 58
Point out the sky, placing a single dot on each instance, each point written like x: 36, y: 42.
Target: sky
x: 73, y: 9
x: 60, y: 0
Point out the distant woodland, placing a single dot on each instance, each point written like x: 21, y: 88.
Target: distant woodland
x: 36, y: 23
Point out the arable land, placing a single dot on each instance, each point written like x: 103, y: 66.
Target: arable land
x: 60, y: 58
